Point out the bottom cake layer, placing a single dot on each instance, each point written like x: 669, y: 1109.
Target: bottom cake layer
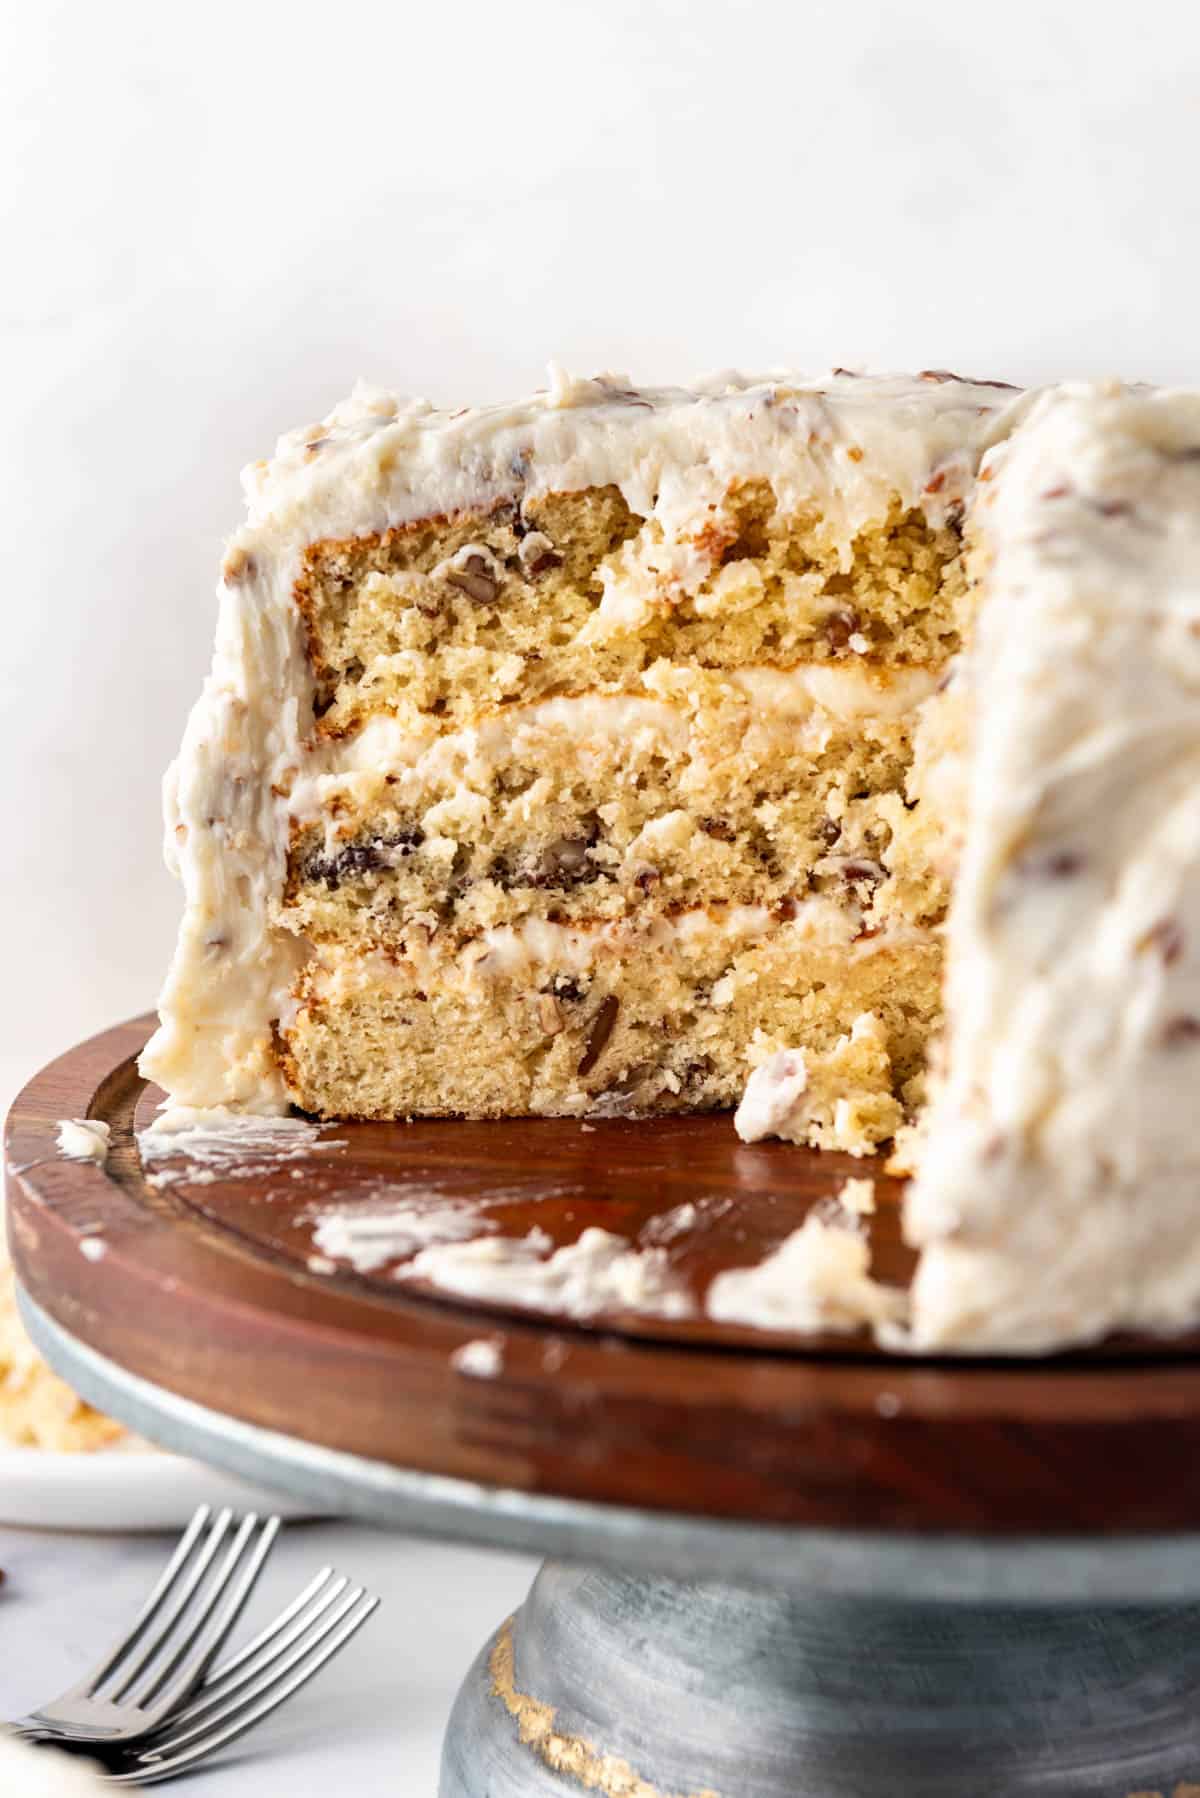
x: 621, y: 1019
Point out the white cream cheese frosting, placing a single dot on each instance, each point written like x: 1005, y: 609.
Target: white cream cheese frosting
x: 1057, y: 1196
x: 599, y: 1272
x: 84, y: 1139
x: 773, y: 1096
x: 853, y: 444
x: 368, y: 1236
x: 817, y: 1279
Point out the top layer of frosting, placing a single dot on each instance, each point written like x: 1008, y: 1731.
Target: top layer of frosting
x: 854, y: 440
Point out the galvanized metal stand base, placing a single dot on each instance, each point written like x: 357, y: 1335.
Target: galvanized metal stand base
x: 633, y: 1685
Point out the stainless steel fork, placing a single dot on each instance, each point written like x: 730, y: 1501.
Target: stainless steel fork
x: 257, y: 1680
x: 162, y: 1659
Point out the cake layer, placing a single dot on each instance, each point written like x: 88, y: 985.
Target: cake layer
x: 669, y: 1013
x: 575, y: 592
x: 743, y: 788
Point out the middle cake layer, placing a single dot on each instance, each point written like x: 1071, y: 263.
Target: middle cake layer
x: 757, y: 787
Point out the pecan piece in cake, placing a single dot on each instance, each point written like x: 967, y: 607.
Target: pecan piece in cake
x: 474, y: 580
x: 601, y: 1030
x: 361, y: 858
x: 840, y: 626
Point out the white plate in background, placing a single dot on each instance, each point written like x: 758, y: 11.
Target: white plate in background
x: 121, y: 1489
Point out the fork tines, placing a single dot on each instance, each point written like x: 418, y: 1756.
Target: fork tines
x: 189, y: 1614
x: 152, y: 1707
x: 284, y: 1657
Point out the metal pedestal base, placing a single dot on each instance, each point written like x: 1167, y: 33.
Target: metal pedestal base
x: 644, y: 1687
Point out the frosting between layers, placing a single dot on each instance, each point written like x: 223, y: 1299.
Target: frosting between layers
x: 846, y: 445
x: 512, y: 951
x: 781, y: 700
x: 1058, y: 1187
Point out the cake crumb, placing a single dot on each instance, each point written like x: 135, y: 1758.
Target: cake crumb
x: 481, y: 1359
x: 857, y: 1197
x: 906, y: 1152
x: 84, y: 1139
x: 840, y: 1098
x: 93, y: 1248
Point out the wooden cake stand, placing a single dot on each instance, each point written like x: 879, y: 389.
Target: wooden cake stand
x: 784, y: 1568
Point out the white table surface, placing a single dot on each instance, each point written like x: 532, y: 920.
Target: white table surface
x: 370, y: 1724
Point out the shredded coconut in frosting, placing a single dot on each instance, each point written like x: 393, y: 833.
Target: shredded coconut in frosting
x: 771, y: 1102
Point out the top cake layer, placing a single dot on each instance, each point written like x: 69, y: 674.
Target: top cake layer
x: 455, y: 561
x: 1056, y: 1197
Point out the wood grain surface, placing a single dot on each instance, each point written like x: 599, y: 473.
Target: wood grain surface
x: 205, y: 1288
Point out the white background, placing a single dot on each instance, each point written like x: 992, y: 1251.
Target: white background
x: 216, y: 217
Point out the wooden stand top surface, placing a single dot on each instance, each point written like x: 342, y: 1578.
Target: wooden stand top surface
x: 207, y: 1288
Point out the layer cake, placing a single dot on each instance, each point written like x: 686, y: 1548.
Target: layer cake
x: 632, y: 750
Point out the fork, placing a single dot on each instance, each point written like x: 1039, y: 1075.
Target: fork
x: 167, y: 1651
x: 255, y: 1682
